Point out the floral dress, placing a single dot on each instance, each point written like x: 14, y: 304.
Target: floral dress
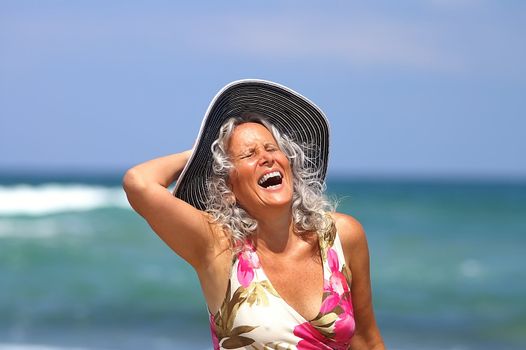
x: 254, y: 316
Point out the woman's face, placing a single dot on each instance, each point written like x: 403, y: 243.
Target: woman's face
x: 262, y: 176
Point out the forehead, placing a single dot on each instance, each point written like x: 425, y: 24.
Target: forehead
x: 247, y: 134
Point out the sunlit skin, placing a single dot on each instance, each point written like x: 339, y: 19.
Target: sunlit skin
x: 207, y: 248
x: 254, y: 152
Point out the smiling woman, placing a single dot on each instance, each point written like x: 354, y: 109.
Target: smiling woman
x: 261, y: 176
x: 249, y: 214
x: 275, y: 176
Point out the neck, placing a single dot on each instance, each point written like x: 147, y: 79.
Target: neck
x: 276, y: 232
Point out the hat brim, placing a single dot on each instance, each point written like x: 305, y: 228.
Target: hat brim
x: 291, y: 113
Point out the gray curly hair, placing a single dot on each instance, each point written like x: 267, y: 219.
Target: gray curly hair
x: 310, y: 206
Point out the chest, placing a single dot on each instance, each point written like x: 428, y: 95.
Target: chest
x: 299, y: 283
x: 269, y: 301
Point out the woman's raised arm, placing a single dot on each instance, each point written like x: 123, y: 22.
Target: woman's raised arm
x: 185, y: 229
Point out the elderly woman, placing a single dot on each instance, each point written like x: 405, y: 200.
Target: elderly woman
x: 249, y: 215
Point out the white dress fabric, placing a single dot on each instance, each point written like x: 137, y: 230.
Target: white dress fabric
x: 254, y: 316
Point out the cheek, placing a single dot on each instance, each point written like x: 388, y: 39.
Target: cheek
x: 243, y: 171
x: 236, y: 179
x: 288, y: 168
x: 284, y: 161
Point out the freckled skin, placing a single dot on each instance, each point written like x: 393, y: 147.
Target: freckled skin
x: 206, y: 247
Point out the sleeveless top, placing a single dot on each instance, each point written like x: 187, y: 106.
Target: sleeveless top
x: 254, y: 316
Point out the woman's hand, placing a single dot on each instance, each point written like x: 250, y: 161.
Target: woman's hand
x: 163, y: 171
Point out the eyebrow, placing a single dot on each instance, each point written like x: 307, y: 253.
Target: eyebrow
x: 253, y: 148
x: 245, y: 151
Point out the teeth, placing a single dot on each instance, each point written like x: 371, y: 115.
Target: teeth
x: 267, y: 176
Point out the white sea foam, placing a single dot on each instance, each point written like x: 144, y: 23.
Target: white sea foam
x: 53, y: 198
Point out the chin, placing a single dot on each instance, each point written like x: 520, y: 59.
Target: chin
x: 279, y: 201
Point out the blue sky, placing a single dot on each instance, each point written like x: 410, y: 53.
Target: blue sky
x: 411, y: 88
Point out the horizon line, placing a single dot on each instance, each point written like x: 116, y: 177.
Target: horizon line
x: 112, y: 175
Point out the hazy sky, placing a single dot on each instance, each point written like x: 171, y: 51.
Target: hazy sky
x: 423, y: 87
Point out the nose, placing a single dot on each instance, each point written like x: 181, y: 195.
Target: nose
x: 266, y: 159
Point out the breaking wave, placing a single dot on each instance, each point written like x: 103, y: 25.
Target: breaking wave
x: 54, y: 198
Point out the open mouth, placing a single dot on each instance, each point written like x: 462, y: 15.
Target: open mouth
x: 271, y: 180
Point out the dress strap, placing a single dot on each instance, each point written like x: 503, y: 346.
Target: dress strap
x: 337, y: 245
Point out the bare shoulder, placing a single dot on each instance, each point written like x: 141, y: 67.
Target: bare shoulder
x: 352, y: 236
x: 350, y: 230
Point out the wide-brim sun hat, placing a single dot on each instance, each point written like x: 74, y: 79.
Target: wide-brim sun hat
x: 291, y: 113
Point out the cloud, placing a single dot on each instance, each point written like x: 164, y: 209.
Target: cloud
x: 368, y: 42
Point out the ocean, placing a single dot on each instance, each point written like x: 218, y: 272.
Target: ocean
x: 80, y: 270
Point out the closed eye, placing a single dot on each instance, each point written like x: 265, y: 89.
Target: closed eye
x: 247, y: 154
x: 271, y: 148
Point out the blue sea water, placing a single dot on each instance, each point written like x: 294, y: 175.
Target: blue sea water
x: 79, y: 269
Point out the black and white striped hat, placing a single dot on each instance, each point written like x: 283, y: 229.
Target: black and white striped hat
x: 291, y: 113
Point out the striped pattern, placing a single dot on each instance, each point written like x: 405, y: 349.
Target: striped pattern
x: 293, y: 114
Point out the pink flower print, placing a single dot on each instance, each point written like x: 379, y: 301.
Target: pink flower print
x: 311, y: 338
x: 344, y: 328
x: 329, y: 303
x: 215, y: 340
x: 346, y: 304
x: 332, y: 259
x: 248, y: 261
x: 345, y: 325
x: 336, y: 285
x: 337, y: 282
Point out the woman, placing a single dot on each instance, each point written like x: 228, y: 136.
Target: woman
x: 248, y: 213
